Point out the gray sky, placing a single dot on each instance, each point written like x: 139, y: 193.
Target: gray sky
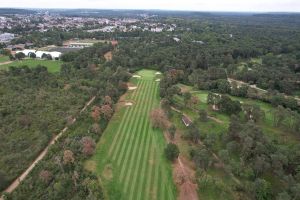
x: 199, y: 5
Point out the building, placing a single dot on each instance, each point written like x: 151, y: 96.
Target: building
x: 187, y: 122
x: 41, y: 54
x: 80, y: 45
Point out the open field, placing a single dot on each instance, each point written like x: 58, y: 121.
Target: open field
x: 129, y: 158
x: 52, y: 65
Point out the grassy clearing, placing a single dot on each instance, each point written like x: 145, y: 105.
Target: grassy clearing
x: 267, y: 125
x: 52, y: 65
x: 129, y: 157
x: 4, y: 59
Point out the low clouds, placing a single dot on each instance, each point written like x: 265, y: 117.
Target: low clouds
x: 200, y: 5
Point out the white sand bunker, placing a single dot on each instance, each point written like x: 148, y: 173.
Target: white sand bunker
x: 157, y: 73
x: 136, y: 76
x: 128, y: 104
x: 157, y: 80
x: 132, y: 88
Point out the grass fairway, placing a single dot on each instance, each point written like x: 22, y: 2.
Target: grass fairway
x: 130, y: 155
x: 52, y: 65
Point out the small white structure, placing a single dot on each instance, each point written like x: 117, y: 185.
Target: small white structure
x: 176, y: 39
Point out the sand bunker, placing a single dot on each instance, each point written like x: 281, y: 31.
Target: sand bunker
x: 136, y: 76
x: 157, y: 73
x: 128, y: 104
x: 157, y: 80
x: 132, y: 88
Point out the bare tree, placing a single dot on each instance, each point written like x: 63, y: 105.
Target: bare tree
x: 158, y: 119
x: 68, y: 157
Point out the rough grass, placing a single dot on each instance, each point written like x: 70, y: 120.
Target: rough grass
x: 4, y: 59
x: 134, y: 151
x: 52, y: 65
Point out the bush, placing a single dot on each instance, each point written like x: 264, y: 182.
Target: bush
x: 172, y: 152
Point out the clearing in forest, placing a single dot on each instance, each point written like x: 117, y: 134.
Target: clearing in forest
x: 130, y: 155
x: 52, y: 65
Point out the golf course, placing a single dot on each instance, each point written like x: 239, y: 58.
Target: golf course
x: 129, y: 158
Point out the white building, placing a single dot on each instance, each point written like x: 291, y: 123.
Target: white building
x: 39, y: 54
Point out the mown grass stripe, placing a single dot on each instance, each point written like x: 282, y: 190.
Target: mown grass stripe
x: 136, y: 134
x: 125, y: 146
x: 125, y: 117
x: 141, y: 149
x: 160, y: 184
x: 135, y: 108
x: 164, y: 170
x: 145, y: 164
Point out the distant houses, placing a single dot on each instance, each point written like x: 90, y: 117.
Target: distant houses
x: 54, y: 55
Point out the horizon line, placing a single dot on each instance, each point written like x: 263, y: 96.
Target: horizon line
x: 153, y: 9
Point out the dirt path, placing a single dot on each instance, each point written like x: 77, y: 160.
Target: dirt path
x: 6, y: 63
x: 260, y: 89
x: 210, y: 117
x: 17, y: 182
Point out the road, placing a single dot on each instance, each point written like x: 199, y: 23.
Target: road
x: 18, y: 180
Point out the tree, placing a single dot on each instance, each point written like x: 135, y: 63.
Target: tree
x: 172, y: 131
x: 224, y: 155
x: 107, y: 100
x: 172, y: 152
x: 68, y: 157
x: 96, y: 113
x: 194, y: 134
x: 96, y: 128
x: 45, y: 176
x: 203, y: 115
x: 262, y: 189
x: 186, y: 97
x: 88, y: 146
x: 283, y: 196
x: 32, y: 55
x: 107, y: 111
x: 20, y: 55
x: 158, y: 119
x: 202, y: 158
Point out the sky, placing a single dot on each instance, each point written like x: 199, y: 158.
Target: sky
x: 195, y: 5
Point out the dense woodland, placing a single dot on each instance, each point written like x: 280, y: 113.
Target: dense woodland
x: 36, y: 105
x: 261, y: 50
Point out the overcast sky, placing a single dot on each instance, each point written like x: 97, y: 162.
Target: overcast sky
x: 199, y: 5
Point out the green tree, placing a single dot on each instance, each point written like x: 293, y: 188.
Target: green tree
x: 203, y: 115
x: 172, y: 151
x: 20, y: 55
x: 172, y: 131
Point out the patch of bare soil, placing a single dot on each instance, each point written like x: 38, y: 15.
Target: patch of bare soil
x: 107, y: 172
x: 67, y: 86
x: 108, y: 56
x: 215, y: 119
x: 5, y: 63
x: 184, y: 178
x: 184, y: 175
x: 90, y: 165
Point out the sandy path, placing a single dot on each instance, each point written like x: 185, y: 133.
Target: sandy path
x: 16, y: 182
x: 210, y: 117
x: 230, y: 80
x: 5, y: 63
